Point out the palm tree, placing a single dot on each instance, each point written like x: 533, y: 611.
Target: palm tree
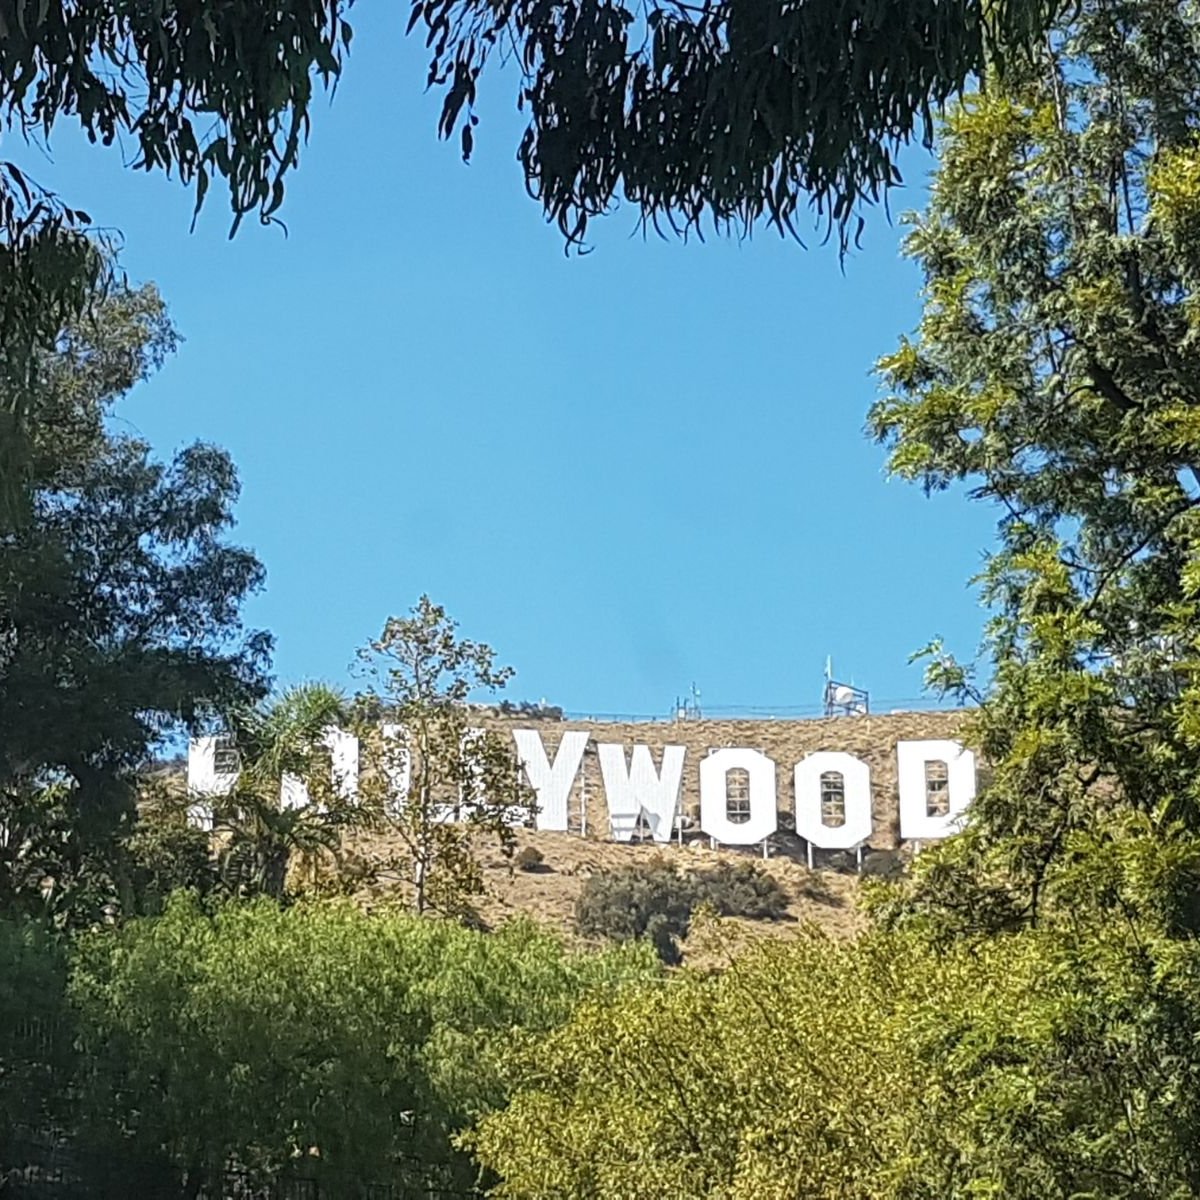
x: 281, y: 744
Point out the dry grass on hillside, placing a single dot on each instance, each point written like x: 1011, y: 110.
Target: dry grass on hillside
x: 548, y: 893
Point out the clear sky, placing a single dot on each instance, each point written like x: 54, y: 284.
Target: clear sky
x: 627, y: 472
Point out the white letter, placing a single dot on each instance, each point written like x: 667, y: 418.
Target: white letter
x: 343, y: 751
x: 397, y: 765
x: 714, y: 814
x: 203, y: 777
x: 470, y: 789
x: 633, y: 790
x: 209, y: 774
x: 855, y: 778
x: 918, y: 818
x: 293, y: 791
x: 551, y: 783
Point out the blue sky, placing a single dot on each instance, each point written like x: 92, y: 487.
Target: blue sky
x: 627, y: 472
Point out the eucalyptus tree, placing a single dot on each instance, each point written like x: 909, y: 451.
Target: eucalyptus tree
x: 732, y: 111
x: 202, y: 92
x: 120, y: 614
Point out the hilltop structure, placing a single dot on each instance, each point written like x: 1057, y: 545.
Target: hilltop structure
x: 837, y: 783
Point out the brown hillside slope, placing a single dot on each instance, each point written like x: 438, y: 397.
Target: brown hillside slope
x: 548, y: 894
x: 826, y: 898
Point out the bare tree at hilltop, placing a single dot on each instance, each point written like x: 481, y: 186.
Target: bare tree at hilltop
x: 433, y: 780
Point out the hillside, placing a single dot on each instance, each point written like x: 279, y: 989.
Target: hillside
x: 547, y: 894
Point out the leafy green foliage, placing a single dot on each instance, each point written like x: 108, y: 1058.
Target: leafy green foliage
x: 656, y: 901
x: 280, y: 741
x: 732, y: 111
x: 35, y: 1031
x: 315, y: 1038
x: 887, y: 1069
x: 436, y: 782
x: 244, y: 68
x: 165, y: 852
x: 119, y: 617
x: 1055, y: 372
x: 216, y: 91
x: 50, y: 273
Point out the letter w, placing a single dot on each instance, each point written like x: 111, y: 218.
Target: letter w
x: 637, y: 788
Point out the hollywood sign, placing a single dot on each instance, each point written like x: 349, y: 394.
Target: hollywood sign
x: 637, y: 791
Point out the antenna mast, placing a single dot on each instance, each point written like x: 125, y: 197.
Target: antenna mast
x: 844, y: 699
x: 688, y: 708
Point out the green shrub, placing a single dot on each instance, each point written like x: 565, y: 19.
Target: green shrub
x: 166, y: 854
x: 529, y: 858
x: 652, y: 901
x: 742, y: 889
x: 35, y: 1028
x: 357, y: 1044
x: 845, y: 1065
x: 655, y: 901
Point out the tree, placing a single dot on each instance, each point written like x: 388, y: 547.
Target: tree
x: 730, y: 111
x: 679, y: 107
x: 215, y: 91
x: 885, y: 1069
x: 682, y: 104
x: 119, y: 617
x: 50, y: 271
x: 1056, y: 371
x: 436, y: 782
x: 220, y: 91
x: 312, y: 1040
x: 737, y: 111
x: 280, y: 744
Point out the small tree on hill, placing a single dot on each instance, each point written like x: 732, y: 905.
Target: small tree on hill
x: 434, y: 781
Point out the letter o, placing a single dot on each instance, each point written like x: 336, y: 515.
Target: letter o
x: 856, y: 779
x: 714, y: 820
